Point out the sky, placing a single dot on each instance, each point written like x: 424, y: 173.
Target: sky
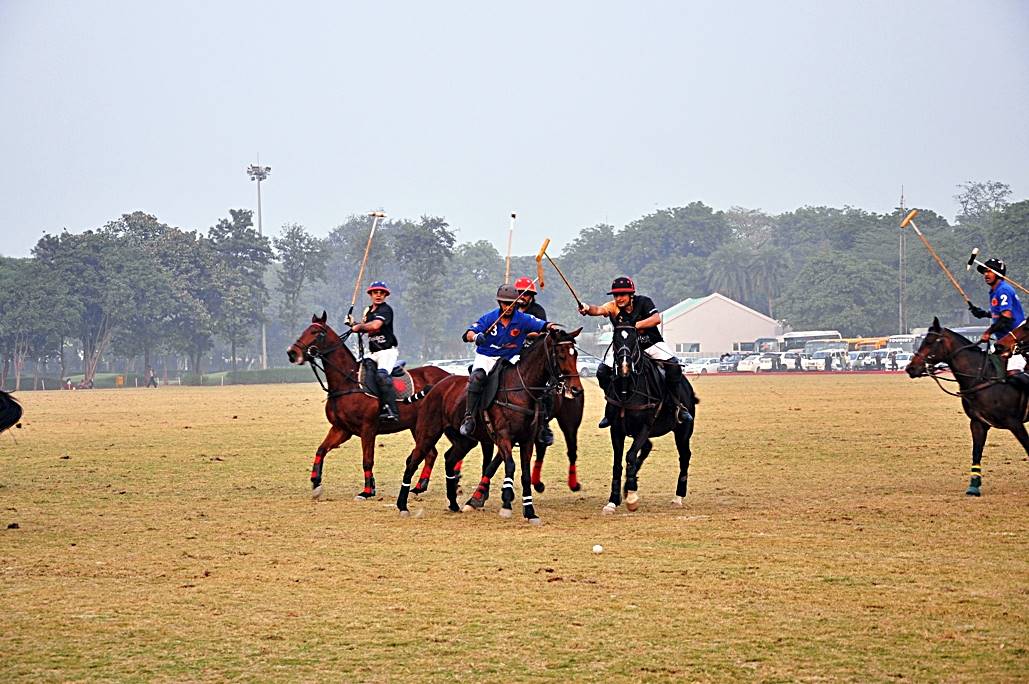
x: 568, y: 113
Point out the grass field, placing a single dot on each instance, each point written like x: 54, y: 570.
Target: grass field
x: 168, y: 535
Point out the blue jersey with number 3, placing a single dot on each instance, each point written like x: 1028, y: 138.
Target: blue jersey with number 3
x: 1003, y: 298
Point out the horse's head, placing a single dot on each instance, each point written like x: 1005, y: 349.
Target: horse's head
x: 1016, y: 340
x: 564, y: 366
x: 937, y: 347
x: 317, y: 337
x: 626, y: 347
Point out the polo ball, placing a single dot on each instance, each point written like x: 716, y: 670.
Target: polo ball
x: 597, y: 548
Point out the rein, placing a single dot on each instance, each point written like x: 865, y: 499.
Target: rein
x: 979, y: 376
x: 319, y: 358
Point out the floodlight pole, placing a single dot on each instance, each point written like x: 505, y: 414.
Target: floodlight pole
x: 259, y: 173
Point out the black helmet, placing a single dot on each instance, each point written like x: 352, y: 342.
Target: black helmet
x: 995, y: 264
x: 507, y: 294
x: 622, y: 285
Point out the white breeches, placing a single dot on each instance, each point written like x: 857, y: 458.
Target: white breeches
x: 659, y: 351
x: 484, y: 362
x: 386, y: 359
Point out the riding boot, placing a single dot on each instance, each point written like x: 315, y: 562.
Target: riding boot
x: 677, y: 391
x: 389, y: 397
x: 1020, y: 381
x: 604, y: 380
x: 475, y: 383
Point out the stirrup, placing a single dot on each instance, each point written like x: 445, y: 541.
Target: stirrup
x: 604, y: 423
x: 467, y: 425
x: 683, y: 415
x: 545, y: 436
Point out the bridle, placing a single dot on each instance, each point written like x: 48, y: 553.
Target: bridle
x: 554, y: 372
x: 319, y: 357
x: 929, y: 363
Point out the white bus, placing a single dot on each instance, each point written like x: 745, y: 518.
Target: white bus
x: 797, y: 340
x: 905, y: 342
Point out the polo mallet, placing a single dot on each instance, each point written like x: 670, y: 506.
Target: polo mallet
x: 376, y: 215
x: 910, y: 219
x: 507, y: 262
x: 543, y: 253
x: 510, y: 307
x: 973, y: 261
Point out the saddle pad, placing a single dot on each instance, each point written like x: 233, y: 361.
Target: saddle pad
x: 402, y: 380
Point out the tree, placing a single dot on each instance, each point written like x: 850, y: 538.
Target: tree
x: 302, y: 258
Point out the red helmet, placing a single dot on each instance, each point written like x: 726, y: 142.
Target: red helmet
x: 525, y: 284
x: 622, y: 285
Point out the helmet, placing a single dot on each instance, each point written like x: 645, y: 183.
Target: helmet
x: 378, y: 285
x: 525, y: 285
x: 995, y: 264
x: 507, y: 293
x: 622, y: 285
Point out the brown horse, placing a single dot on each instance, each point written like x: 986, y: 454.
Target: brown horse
x: 1015, y: 342
x: 512, y: 418
x: 349, y: 408
x: 988, y: 397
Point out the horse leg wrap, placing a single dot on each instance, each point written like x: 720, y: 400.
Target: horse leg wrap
x: 537, y: 471
x: 423, y: 479
x: 975, y: 482
x: 573, y: 478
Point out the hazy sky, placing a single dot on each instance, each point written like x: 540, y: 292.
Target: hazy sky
x: 570, y: 113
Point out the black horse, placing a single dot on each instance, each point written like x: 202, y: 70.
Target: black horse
x: 10, y: 411
x: 639, y: 406
x: 990, y: 398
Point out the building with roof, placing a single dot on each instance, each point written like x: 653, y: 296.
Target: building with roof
x: 709, y: 325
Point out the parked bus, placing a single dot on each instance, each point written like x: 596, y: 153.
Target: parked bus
x: 868, y: 343
x: 798, y: 339
x: 905, y: 342
x: 813, y: 346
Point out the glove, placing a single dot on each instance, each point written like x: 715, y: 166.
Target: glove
x: 584, y: 308
x: 977, y: 312
x: 480, y: 340
x: 350, y: 321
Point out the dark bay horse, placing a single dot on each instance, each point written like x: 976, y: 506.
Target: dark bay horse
x: 1015, y: 342
x: 10, y: 411
x: 568, y: 414
x: 638, y: 406
x: 512, y: 418
x: 987, y: 396
x: 350, y: 410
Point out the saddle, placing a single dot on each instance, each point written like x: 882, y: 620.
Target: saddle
x: 402, y: 380
x: 492, y: 384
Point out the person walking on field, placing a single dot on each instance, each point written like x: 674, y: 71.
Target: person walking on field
x: 383, y: 349
x: 628, y: 308
x: 494, y: 342
x: 151, y: 379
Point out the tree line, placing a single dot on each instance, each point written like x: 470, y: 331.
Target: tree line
x: 136, y: 290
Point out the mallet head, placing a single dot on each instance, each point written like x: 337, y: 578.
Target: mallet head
x: 971, y: 259
x: 907, y: 219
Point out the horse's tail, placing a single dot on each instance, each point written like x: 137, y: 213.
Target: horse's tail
x: 417, y: 395
x: 10, y: 411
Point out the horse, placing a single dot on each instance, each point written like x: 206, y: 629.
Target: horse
x: 10, y: 411
x: 348, y: 406
x: 987, y: 396
x: 567, y: 412
x: 512, y: 417
x: 638, y: 406
x: 1015, y: 342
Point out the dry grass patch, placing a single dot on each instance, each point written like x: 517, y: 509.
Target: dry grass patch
x: 169, y: 535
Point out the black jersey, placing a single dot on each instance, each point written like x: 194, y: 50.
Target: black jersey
x: 534, y: 309
x: 383, y: 338
x: 641, y: 307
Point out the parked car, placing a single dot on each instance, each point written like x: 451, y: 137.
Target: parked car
x: 750, y: 364
x: 770, y: 361
x: 700, y: 366
x: 793, y: 360
x: 838, y: 360
x: 453, y: 366
x: 587, y: 366
x: 727, y: 364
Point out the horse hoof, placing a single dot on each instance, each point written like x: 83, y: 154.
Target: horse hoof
x: 364, y: 497
x: 609, y: 508
x: 575, y: 487
x: 677, y: 502
x: 454, y: 508
x: 505, y: 512
x: 316, y: 493
x: 405, y: 514
x: 632, y: 501
x: 539, y: 486
x: 534, y: 521
x: 415, y: 491
x: 973, y: 491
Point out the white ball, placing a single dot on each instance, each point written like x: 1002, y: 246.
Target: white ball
x: 597, y: 548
